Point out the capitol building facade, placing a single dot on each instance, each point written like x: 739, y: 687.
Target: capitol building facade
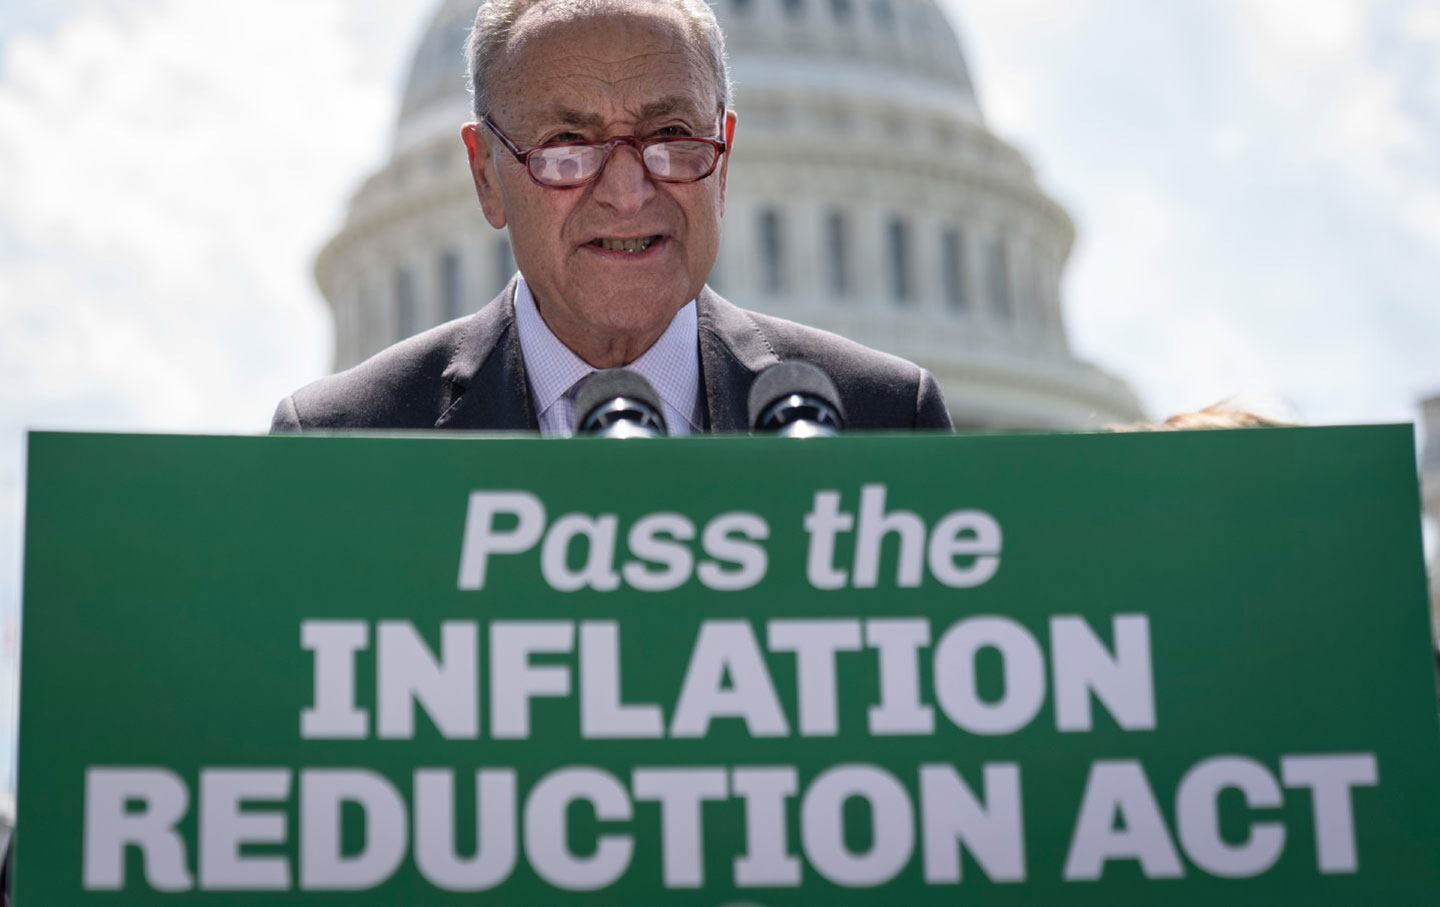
x: 866, y: 196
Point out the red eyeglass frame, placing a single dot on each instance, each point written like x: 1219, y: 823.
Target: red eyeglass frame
x: 609, y: 146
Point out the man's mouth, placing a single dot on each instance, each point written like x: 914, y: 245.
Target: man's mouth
x: 639, y: 244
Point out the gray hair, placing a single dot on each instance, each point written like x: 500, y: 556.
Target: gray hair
x: 495, y: 24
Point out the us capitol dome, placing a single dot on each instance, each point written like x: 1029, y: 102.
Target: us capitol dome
x: 866, y: 196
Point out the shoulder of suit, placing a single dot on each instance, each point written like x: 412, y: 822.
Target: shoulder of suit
x: 879, y: 391
x: 402, y: 386
x: 843, y: 359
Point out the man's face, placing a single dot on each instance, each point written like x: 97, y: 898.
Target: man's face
x: 588, y: 79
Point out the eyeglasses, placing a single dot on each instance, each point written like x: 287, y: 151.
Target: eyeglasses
x: 667, y: 158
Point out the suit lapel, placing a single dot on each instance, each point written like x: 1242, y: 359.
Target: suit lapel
x: 732, y: 351
x: 486, y: 376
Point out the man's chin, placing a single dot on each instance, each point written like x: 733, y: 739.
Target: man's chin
x: 633, y: 320
x: 637, y: 321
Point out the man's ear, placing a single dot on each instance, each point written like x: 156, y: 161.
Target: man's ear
x: 730, y: 120
x: 482, y: 171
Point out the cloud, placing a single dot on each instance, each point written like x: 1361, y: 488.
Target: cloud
x: 167, y: 191
x: 1230, y: 143
x: 1305, y: 32
x: 1422, y: 22
x: 1254, y: 186
x: 170, y: 168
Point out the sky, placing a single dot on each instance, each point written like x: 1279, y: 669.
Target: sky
x: 1255, y: 184
x: 1256, y: 187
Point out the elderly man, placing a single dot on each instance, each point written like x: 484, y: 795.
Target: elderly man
x: 602, y: 140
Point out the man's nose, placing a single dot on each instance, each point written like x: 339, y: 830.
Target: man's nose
x: 624, y: 185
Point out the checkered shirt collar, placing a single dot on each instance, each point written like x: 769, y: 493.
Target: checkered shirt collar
x: 671, y: 365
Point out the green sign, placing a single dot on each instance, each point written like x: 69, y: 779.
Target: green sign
x: 1099, y: 669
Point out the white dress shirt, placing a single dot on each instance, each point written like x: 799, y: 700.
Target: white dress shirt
x: 671, y: 365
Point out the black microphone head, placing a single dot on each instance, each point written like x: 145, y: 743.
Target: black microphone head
x: 618, y: 395
x: 791, y: 391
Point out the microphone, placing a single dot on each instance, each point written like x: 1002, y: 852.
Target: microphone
x: 796, y: 400
x: 618, y: 403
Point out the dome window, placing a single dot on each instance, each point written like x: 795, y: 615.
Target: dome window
x: 837, y: 254
x: 997, y: 278
x: 452, y: 291
x: 897, y: 234
x: 952, y: 262
x: 405, y: 314
x: 772, y: 252
x: 350, y: 333
x: 883, y: 13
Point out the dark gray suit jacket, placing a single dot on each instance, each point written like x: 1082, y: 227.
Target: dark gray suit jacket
x: 469, y: 375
